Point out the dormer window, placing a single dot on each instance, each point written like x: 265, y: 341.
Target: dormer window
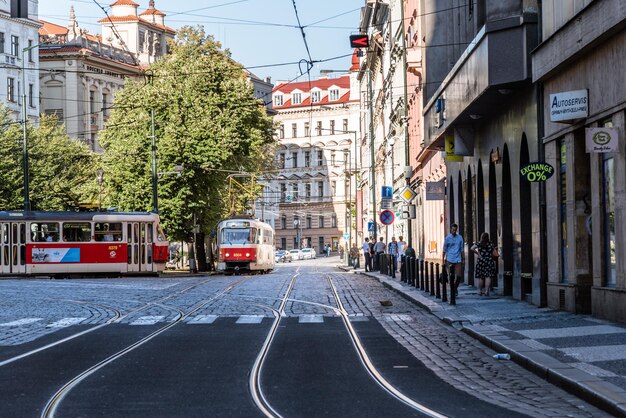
x: 333, y: 95
x: 316, y: 96
x: 296, y: 98
x: 278, y: 100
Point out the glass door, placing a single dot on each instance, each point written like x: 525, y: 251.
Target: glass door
x: 13, y: 248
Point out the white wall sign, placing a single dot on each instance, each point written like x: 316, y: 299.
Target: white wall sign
x: 601, y: 139
x: 569, y: 105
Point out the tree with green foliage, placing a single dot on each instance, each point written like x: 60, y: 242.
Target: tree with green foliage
x: 206, y: 119
x: 61, y: 170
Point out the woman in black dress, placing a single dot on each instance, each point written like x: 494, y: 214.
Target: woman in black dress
x: 486, y: 264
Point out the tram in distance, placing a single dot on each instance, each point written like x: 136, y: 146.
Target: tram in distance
x: 74, y: 244
x: 245, y: 244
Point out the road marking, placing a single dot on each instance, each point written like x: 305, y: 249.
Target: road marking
x: 596, y: 353
x: 250, y: 319
x: 24, y: 321
x: 147, y: 320
x: 65, y: 322
x: 311, y: 319
x: 571, y: 331
x: 202, y: 319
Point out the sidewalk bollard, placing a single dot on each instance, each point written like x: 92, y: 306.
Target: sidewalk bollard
x: 392, y: 267
x: 403, y: 269
x: 452, y: 279
x: 426, y: 277
x: 438, y: 280
x: 411, y: 265
x: 422, y: 274
x: 444, y: 290
x: 433, y: 279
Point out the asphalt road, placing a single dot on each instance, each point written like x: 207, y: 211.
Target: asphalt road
x: 187, y: 347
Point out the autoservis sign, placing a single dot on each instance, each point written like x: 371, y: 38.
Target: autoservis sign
x: 536, y: 171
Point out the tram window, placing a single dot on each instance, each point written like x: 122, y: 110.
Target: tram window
x: 76, y: 231
x: 160, y: 234
x: 236, y: 236
x: 5, y: 233
x: 44, y: 231
x: 150, y: 230
x: 108, y: 231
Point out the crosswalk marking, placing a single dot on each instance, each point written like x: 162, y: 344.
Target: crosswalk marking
x: 202, y: 319
x: 65, y: 322
x: 24, y: 321
x: 147, y: 320
x: 311, y: 319
x: 250, y: 319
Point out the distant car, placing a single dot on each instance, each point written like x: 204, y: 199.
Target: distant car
x: 282, y: 256
x: 308, y: 253
x: 296, y: 254
x: 171, y: 265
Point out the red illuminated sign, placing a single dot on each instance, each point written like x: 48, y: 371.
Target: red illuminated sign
x: 359, y: 41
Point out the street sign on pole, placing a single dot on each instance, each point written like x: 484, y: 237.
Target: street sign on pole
x: 370, y: 227
x: 346, y: 237
x: 387, y: 192
x: 407, y: 194
x: 387, y: 217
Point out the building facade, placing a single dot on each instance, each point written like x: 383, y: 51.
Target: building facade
x: 310, y: 199
x: 581, y: 55
x: 81, y: 72
x: 19, y: 68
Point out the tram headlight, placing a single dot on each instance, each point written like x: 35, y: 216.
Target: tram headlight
x: 247, y: 254
x: 227, y: 255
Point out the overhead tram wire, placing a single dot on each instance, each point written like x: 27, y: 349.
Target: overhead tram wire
x: 117, y: 34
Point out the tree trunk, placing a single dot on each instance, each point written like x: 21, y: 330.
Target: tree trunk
x: 200, y: 252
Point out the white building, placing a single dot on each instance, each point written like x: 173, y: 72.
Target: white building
x: 16, y: 34
x: 310, y: 200
x: 81, y: 72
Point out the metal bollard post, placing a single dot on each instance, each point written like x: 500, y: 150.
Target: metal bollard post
x: 438, y: 284
x: 392, y: 267
x: 403, y: 277
x: 444, y: 290
x: 422, y: 287
x: 410, y: 263
x: 432, y: 279
x: 452, y: 279
x: 416, y: 272
x: 426, y: 277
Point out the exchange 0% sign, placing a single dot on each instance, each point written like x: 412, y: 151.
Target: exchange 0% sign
x: 537, y: 171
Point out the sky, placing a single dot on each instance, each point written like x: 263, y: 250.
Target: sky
x: 263, y: 35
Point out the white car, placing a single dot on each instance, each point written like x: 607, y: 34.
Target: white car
x: 296, y: 254
x: 308, y: 253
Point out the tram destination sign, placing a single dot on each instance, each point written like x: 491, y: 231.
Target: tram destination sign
x: 537, y: 171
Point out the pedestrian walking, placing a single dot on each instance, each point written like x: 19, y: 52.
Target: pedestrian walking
x: 354, y: 255
x: 453, y: 257
x: 392, y: 249
x: 401, y: 248
x: 379, y: 250
x: 367, y: 254
x: 327, y: 250
x: 486, y: 265
x: 340, y: 251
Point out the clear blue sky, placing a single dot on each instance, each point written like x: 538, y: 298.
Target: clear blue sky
x: 258, y: 32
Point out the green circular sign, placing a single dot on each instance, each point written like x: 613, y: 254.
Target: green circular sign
x: 537, y: 171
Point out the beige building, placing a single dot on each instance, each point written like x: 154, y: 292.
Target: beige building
x: 310, y: 199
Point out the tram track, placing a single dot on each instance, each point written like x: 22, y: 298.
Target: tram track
x: 256, y: 373
x: 54, y: 402
x: 117, y: 317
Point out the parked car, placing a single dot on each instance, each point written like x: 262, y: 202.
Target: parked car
x: 296, y: 254
x: 308, y: 253
x: 282, y: 256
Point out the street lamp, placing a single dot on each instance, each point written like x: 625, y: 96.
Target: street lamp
x: 99, y: 176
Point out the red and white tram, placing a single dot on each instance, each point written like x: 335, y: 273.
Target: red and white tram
x: 81, y: 243
x: 245, y: 245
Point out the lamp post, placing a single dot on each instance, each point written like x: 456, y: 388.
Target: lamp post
x: 99, y: 176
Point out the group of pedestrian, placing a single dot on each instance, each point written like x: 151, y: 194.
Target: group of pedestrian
x: 373, y: 251
x: 454, y: 260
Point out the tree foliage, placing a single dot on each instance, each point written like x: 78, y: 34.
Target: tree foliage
x: 61, y: 170
x: 206, y: 119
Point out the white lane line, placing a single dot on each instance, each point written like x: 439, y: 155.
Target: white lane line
x: 250, y: 319
x: 311, y: 319
x: 24, y: 321
x: 65, y: 322
x: 202, y: 319
x: 597, y: 353
x: 147, y: 320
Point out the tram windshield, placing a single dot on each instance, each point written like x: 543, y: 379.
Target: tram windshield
x: 239, y: 235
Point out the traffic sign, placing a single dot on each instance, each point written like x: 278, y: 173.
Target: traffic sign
x: 346, y: 237
x: 359, y: 41
x: 407, y: 194
x: 370, y: 227
x: 387, y: 192
x: 386, y: 204
x: 387, y: 217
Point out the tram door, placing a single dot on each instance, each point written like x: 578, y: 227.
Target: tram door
x: 139, y: 236
x: 13, y: 247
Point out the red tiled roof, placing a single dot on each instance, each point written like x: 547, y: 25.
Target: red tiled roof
x: 307, y: 102
x: 322, y: 83
x: 152, y: 11
x: 124, y: 3
x: 48, y: 28
x: 131, y: 18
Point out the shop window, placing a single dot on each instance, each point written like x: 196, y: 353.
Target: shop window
x: 608, y: 206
